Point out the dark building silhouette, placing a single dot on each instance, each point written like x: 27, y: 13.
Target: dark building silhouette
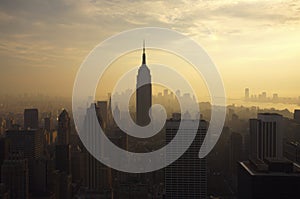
x: 64, y: 128
x: 4, y: 150
x: 297, y: 115
x: 31, y: 119
x: 62, y: 148
x: 267, y: 174
x: 14, y: 175
x: 274, y: 178
x: 235, y: 155
x: 143, y: 93
x: 4, y: 193
x: 63, y: 156
x: 187, y: 176
x: 30, y: 144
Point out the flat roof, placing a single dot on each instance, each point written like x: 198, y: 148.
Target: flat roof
x: 246, y: 165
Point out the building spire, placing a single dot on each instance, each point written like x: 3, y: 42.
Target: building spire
x: 144, y: 53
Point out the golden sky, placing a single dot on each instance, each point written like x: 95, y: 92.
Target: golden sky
x: 254, y: 43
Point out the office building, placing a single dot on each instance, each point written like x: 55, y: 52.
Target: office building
x: 266, y: 137
x: 275, y: 178
x: 187, y: 176
x: 14, y: 175
x: 31, y: 119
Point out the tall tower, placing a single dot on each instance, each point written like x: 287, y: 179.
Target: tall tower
x: 143, y: 93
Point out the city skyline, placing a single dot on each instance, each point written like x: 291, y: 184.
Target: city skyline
x: 149, y: 99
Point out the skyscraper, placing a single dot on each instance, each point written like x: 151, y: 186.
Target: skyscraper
x: 31, y: 118
x: 143, y: 93
x: 30, y: 144
x: 64, y: 128
x: 97, y: 175
x: 266, y: 136
x: 187, y: 176
x: 63, y: 155
x: 62, y: 149
x: 14, y: 174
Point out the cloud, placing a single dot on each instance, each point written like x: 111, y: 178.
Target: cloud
x: 60, y: 33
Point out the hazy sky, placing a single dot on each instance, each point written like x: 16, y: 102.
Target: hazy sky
x: 255, y: 44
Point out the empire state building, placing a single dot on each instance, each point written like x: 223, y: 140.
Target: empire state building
x: 143, y: 93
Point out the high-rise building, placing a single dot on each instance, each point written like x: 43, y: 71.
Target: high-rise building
x: 31, y: 118
x: 187, y: 176
x: 63, y: 155
x: 63, y: 158
x: 62, y: 148
x: 235, y: 155
x: 97, y: 175
x: 266, y: 137
x: 143, y: 93
x: 273, y: 178
x: 4, y: 151
x: 14, y: 174
x: 30, y: 144
x: 64, y: 128
x: 247, y: 93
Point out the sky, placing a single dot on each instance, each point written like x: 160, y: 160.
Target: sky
x: 254, y: 43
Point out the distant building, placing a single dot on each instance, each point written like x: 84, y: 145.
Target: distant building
x: 247, y: 93
x: 31, y: 118
x: 266, y: 136
x: 143, y: 93
x: 14, y: 175
x: 275, y: 96
x: 187, y: 176
x: 274, y: 178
